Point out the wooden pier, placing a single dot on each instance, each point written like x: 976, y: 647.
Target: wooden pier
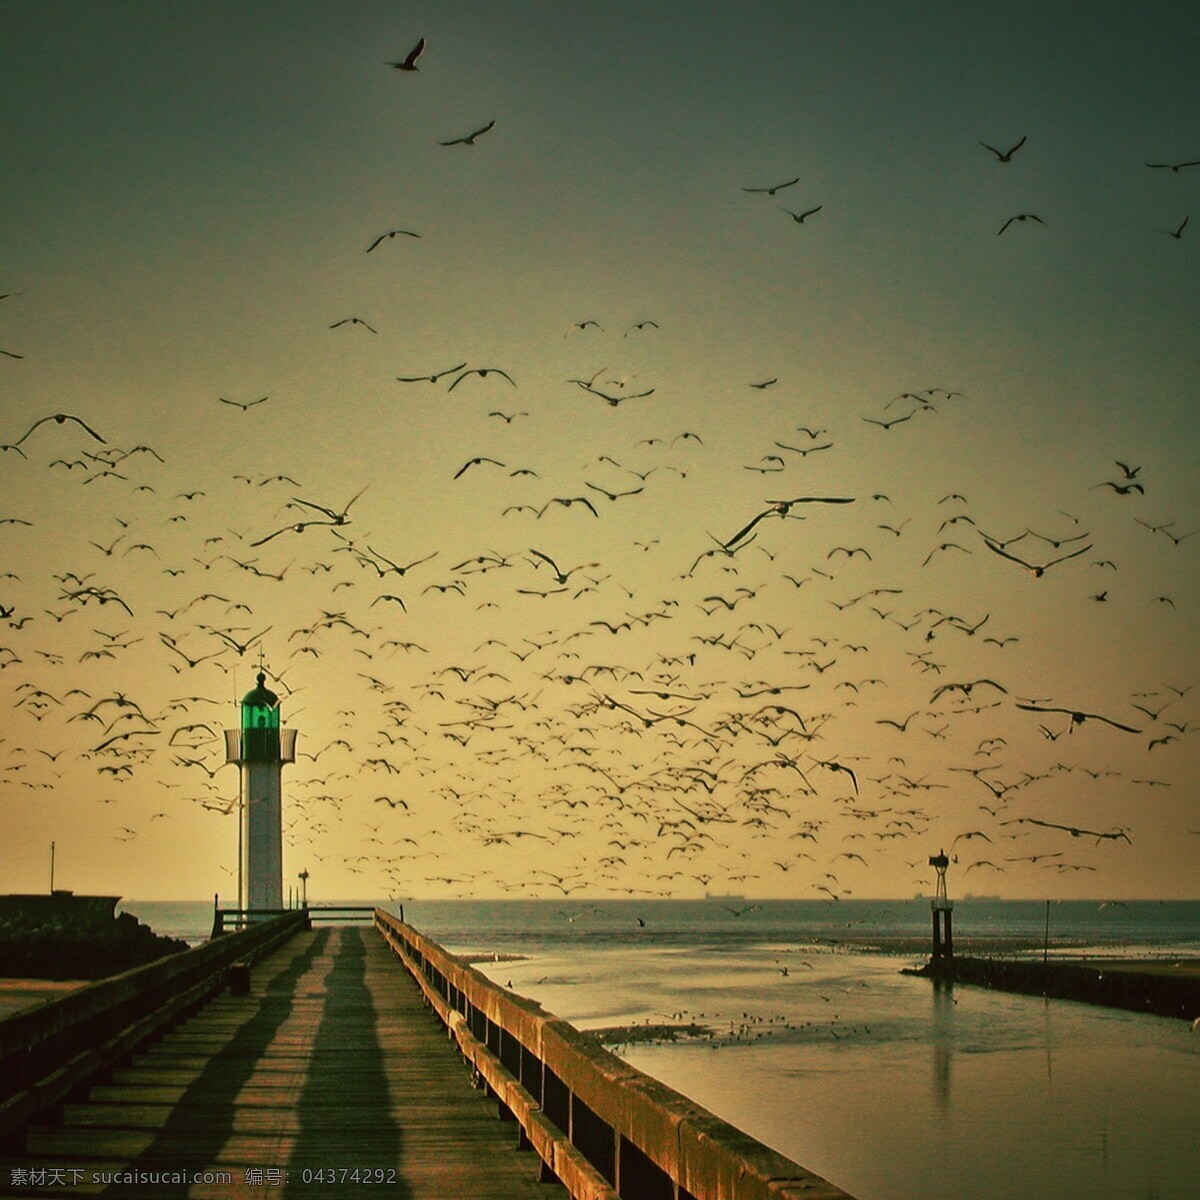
x: 338, y: 1072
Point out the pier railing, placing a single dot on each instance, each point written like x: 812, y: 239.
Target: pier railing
x: 605, y: 1129
x: 225, y: 919
x: 50, y: 1050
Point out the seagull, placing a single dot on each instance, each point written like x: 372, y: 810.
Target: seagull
x: 475, y: 462
x: 800, y: 218
x: 1115, y: 835
x: 770, y: 191
x: 612, y: 495
x: 429, y: 378
x: 894, y: 421
x: 59, y: 418
x: 1038, y: 571
x: 613, y: 401
x: 1178, y: 233
x: 1006, y: 155
x: 560, y: 575
x: 482, y: 372
x: 566, y: 502
x: 1078, y: 718
x: 1019, y: 217
x: 391, y: 233
x: 353, y: 321
x: 469, y: 140
x: 409, y: 63
x: 1174, y: 166
x: 837, y: 766
x: 782, y: 508
x: 1119, y: 488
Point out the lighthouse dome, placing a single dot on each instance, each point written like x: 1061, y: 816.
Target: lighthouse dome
x: 261, y: 696
x: 260, y: 707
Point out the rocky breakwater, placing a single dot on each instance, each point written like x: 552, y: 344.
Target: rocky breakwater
x: 59, y: 935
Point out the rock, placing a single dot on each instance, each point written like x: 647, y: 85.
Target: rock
x: 35, y: 946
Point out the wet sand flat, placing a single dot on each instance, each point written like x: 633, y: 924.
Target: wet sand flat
x: 16, y: 994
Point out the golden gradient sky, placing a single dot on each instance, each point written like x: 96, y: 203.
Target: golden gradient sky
x: 191, y: 193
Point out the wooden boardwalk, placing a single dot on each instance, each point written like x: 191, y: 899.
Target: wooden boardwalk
x: 331, y: 1079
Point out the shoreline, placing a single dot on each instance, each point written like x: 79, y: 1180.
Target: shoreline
x: 19, y: 994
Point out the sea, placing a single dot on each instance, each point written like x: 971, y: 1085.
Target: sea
x: 812, y: 1040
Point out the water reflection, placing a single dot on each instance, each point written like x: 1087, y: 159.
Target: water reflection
x: 942, y: 1041
x: 897, y: 1087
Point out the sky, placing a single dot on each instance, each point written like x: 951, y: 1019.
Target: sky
x: 709, y: 258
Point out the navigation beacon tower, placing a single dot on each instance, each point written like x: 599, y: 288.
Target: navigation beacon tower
x: 942, y: 907
x: 260, y: 747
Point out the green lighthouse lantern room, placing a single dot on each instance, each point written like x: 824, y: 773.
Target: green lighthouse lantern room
x: 260, y: 723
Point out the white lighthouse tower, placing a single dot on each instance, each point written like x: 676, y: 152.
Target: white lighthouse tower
x: 260, y: 747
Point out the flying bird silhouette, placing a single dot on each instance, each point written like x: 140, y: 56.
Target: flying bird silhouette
x: 475, y: 462
x: 566, y: 502
x: 391, y: 233
x: 1037, y: 571
x: 1077, y: 718
x: 800, y: 218
x: 894, y: 421
x: 483, y: 373
x: 1019, y: 217
x: 429, y: 378
x: 469, y: 140
x: 1004, y: 156
x: 777, y: 187
x: 59, y: 418
x: 782, y: 508
x: 409, y: 62
x: 1116, y: 834
x: 1122, y: 489
x: 560, y: 575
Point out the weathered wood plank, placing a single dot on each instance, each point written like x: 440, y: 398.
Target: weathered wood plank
x: 332, y: 1061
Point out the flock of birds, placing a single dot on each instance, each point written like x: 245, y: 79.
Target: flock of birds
x: 642, y: 723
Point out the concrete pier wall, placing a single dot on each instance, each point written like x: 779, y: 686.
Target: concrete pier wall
x: 1163, y: 989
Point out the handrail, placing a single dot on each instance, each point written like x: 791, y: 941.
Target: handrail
x: 603, y: 1127
x: 225, y: 919
x: 50, y: 1049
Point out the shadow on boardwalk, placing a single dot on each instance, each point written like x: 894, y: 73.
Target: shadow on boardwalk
x: 346, y: 1058
x: 342, y: 1106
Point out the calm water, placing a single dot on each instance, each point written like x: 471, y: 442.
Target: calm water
x: 889, y: 1087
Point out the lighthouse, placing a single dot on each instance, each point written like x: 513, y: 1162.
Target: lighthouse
x: 260, y: 747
